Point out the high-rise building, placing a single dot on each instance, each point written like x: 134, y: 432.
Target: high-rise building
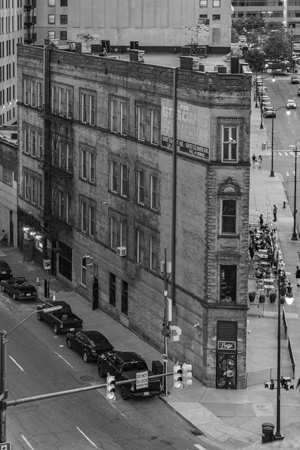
x: 11, y: 33
x: 152, y: 23
x: 97, y: 176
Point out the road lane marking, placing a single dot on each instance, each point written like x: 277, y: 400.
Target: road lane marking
x: 199, y: 447
x: 286, y: 154
x: 18, y: 365
x: 103, y: 393
x: 88, y: 439
x: 64, y: 359
x: 28, y: 443
x: 279, y: 153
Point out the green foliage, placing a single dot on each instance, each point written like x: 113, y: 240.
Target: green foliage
x: 255, y: 59
x: 234, y: 35
x: 242, y: 26
x: 278, y: 46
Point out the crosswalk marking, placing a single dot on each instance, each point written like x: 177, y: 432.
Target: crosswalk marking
x: 280, y: 154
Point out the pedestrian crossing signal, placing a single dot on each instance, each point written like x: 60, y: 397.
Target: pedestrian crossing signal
x: 110, y: 387
x: 177, y: 375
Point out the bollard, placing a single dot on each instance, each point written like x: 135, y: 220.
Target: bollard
x: 284, y: 205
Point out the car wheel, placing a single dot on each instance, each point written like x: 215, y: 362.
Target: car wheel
x: 69, y: 345
x: 2, y: 288
x: 39, y: 316
x: 124, y: 392
x: 101, y: 370
x: 55, y: 329
x: 85, y: 357
x: 14, y: 296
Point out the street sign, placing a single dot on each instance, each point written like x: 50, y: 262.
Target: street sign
x: 5, y: 446
x: 141, y: 380
x: 47, y: 266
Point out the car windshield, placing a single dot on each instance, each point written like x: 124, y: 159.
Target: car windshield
x: 26, y: 288
x: 98, y: 340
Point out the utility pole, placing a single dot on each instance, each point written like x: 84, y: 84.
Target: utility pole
x: 166, y: 329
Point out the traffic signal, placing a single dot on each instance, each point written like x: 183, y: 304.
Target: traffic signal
x: 110, y: 387
x: 270, y: 385
x: 286, y: 383
x: 177, y: 376
x: 187, y: 375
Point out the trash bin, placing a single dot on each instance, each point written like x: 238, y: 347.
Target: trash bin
x: 263, y: 145
x: 267, y: 432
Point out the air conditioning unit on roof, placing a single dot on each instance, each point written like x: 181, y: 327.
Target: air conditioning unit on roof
x: 121, y: 251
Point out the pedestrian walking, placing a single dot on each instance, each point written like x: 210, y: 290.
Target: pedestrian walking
x: 274, y: 213
x: 261, y: 220
x: 298, y: 275
x: 259, y: 161
x: 254, y: 159
x: 251, y: 251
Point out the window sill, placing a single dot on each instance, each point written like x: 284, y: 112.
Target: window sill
x: 229, y: 236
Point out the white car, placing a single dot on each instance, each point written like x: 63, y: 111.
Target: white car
x: 291, y: 104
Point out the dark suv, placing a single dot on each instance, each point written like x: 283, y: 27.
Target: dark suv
x: 5, y: 270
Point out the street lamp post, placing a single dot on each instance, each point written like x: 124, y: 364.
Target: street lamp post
x: 281, y: 281
x: 256, y: 93
x: 295, y: 235
x: 272, y: 137
x: 3, y: 390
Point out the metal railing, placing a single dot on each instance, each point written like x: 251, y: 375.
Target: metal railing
x: 261, y: 376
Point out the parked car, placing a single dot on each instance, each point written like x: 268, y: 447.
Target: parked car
x: 19, y: 288
x: 291, y: 104
x: 269, y: 111
x: 298, y: 92
x: 62, y: 320
x: 5, y: 270
x: 295, y: 79
x: 265, y: 103
x: 124, y: 366
x: 89, y: 344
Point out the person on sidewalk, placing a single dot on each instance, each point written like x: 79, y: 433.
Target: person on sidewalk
x: 254, y: 159
x: 259, y: 161
x: 274, y: 213
x: 298, y: 275
x: 261, y: 220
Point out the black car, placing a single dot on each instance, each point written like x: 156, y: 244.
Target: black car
x: 5, y: 270
x: 89, y: 344
x: 19, y: 288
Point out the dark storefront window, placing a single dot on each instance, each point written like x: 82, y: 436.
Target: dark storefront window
x: 229, y: 216
x: 226, y: 355
x: 112, y: 289
x: 65, y: 261
x: 228, y: 283
x: 124, y: 306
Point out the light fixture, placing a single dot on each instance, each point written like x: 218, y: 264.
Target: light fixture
x: 26, y: 229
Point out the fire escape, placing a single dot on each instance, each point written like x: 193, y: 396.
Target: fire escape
x: 56, y: 163
x: 29, y: 21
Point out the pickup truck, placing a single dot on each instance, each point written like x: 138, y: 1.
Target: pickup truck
x: 62, y: 320
x: 125, y: 366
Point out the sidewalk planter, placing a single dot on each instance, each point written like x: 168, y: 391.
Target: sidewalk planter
x: 252, y: 296
x: 262, y: 298
x: 273, y: 296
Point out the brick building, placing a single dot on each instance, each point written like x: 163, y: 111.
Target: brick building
x: 95, y: 197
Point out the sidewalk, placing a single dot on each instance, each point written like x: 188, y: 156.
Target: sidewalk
x: 228, y: 419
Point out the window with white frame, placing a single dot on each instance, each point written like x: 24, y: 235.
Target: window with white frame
x: 114, y: 116
x: 141, y: 125
x: 26, y: 141
x: 229, y: 216
x: 203, y: 3
x: 88, y: 108
x: 124, y: 180
x: 53, y: 98
x: 154, y: 127
x: 123, y: 111
x: 83, y: 271
x: 216, y: 3
x: 141, y: 187
x: 40, y: 146
x: 154, y: 192
x: 39, y: 95
x: 40, y: 193
x: 33, y: 144
x: 65, y: 156
x: 114, y: 176
x: 88, y: 217
x: 140, y: 246
x: 33, y: 191
x: 26, y: 90
x: 51, y: 19
x: 230, y: 143
x: 32, y: 93
x: 69, y: 105
x: 154, y: 253
x: 60, y: 100
x: 68, y: 208
x: 114, y: 228
x: 61, y: 205
x: 88, y: 168
x: 123, y: 234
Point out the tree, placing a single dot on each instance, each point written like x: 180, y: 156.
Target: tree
x: 255, y: 59
x: 278, y: 46
x: 242, y: 26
